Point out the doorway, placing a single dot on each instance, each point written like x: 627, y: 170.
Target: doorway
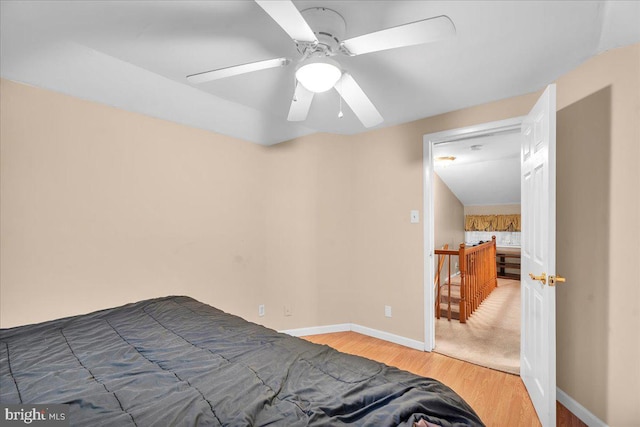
x: 430, y: 142
x: 476, y: 195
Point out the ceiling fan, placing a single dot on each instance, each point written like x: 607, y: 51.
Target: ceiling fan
x: 317, y: 33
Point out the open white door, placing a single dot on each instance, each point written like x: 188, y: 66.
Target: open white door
x: 538, y: 185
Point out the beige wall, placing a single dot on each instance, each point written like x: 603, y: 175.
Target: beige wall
x: 492, y: 209
x: 583, y: 232
x: 101, y: 207
x: 308, y: 218
x: 448, y: 222
x: 598, y: 234
x: 387, y: 248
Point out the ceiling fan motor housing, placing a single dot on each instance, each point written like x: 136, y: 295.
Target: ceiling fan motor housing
x: 329, y: 28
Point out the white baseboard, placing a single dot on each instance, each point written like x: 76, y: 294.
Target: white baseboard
x: 578, y: 410
x: 386, y: 336
x: 317, y: 330
x: 345, y: 327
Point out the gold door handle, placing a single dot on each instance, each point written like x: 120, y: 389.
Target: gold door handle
x: 542, y: 277
x: 554, y: 279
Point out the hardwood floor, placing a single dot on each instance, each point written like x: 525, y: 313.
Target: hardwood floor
x: 499, y: 399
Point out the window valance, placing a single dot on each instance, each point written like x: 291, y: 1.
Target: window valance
x: 492, y: 222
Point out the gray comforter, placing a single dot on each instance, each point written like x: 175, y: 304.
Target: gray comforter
x: 176, y: 361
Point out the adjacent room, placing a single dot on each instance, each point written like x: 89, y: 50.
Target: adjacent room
x: 219, y: 212
x: 477, y: 198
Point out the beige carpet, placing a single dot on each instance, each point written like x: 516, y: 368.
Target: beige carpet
x: 491, y: 336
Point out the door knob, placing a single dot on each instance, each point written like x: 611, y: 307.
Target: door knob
x: 554, y: 279
x: 542, y: 277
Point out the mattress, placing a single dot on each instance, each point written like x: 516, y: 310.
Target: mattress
x: 177, y: 361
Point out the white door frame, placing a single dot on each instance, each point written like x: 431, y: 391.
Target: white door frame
x: 428, y: 143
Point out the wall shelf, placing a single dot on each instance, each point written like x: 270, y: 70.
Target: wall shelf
x: 508, y: 263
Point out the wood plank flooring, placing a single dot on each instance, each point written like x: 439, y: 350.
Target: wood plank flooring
x: 500, y: 399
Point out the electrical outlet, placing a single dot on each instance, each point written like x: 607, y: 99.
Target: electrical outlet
x: 387, y: 311
x: 261, y: 310
x: 288, y: 311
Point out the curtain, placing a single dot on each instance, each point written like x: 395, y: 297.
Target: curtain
x: 508, y: 223
x: 479, y: 222
x: 492, y: 222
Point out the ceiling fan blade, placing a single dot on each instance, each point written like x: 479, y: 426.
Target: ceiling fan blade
x: 358, y: 101
x: 220, y: 73
x: 419, y: 32
x: 289, y: 18
x: 300, y: 105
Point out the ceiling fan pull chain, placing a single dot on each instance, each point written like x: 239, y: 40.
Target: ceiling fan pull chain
x: 340, y: 115
x: 295, y: 86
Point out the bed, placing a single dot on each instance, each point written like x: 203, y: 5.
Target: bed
x: 177, y: 361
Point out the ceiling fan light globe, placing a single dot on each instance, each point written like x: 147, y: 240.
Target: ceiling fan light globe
x: 318, y: 76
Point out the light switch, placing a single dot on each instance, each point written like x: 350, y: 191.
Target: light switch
x: 415, y: 217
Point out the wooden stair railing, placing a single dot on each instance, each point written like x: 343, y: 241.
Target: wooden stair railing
x: 478, y: 276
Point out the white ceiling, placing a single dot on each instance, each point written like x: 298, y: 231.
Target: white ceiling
x: 488, y: 176
x: 135, y: 55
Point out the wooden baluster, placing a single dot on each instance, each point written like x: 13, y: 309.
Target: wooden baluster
x: 474, y: 281
x: 494, y: 271
x: 479, y: 278
x: 463, y: 284
x: 481, y: 256
x: 476, y: 270
x: 485, y: 271
x: 468, y: 288
x: 472, y: 287
x: 474, y: 277
x: 488, y: 287
x: 478, y: 258
x: 438, y: 290
x: 449, y: 290
x: 470, y: 281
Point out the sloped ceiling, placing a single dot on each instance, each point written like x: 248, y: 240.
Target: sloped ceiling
x: 135, y: 55
x: 486, y: 170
